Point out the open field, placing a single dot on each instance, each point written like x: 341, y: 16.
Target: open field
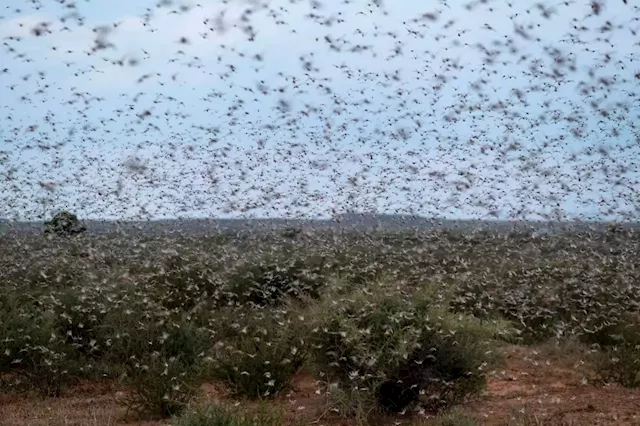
x: 322, y: 326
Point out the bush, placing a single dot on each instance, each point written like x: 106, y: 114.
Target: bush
x: 182, y: 285
x: 271, y: 281
x: 161, y: 386
x: 620, y: 365
x: 259, y: 353
x: 58, y: 273
x: 46, y: 368
x: 64, y: 224
x: 216, y: 415
x: 400, y: 350
x: 619, y: 358
x: 131, y: 337
x: 553, y: 298
x: 78, y: 317
x: 31, y: 350
x: 625, y: 330
x: 162, y: 361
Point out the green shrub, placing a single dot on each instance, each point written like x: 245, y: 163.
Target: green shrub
x: 216, y: 415
x: 359, y: 404
x: 64, y: 224
x: 47, y: 369
x: 622, y: 330
x: 160, y: 358
x: 358, y: 266
x: 79, y: 315
x: 618, y: 361
x: 59, y: 273
x: 182, y: 285
x: 161, y: 386
x: 31, y: 350
x: 128, y: 336
x: 20, y: 323
x: 620, y: 364
x: 34, y: 353
x: 258, y: 353
x: 554, y: 298
x: 400, y: 349
x: 273, y: 280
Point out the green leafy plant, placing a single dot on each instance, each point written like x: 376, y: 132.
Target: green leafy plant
x: 65, y: 224
x: 620, y: 364
x: 31, y: 350
x: 183, y: 284
x: 259, y: 355
x: 217, y: 415
x: 270, y: 281
x: 400, y: 350
x: 161, y: 386
x: 162, y: 362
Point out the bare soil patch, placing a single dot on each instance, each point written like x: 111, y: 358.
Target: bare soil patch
x: 536, y: 386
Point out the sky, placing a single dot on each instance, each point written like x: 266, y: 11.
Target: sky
x: 456, y: 109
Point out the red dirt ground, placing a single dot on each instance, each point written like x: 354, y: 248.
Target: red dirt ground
x: 536, y: 386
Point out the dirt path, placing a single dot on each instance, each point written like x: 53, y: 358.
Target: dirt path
x: 548, y: 388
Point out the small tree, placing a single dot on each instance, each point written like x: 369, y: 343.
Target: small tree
x: 64, y: 224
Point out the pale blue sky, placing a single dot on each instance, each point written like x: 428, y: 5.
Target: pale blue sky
x: 342, y: 152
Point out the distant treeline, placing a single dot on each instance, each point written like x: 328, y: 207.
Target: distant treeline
x: 347, y: 221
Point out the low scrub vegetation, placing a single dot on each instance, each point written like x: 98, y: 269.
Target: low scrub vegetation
x: 399, y: 350
x: 388, y: 323
x: 258, y: 353
x: 217, y: 415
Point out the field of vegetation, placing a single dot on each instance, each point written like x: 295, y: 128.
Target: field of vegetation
x: 323, y: 327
